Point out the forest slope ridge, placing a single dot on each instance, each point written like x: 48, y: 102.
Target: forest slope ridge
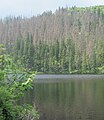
x: 70, y: 40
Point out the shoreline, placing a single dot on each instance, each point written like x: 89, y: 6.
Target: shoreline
x: 68, y: 76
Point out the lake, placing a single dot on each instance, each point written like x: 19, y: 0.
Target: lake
x: 68, y: 97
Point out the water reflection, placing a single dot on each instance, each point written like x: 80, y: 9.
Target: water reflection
x: 71, y: 100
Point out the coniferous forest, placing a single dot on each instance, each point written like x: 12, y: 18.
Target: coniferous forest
x: 70, y: 40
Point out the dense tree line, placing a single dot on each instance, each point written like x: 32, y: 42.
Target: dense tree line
x: 59, y: 57
x: 70, y: 40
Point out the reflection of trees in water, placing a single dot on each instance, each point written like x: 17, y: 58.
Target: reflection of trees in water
x: 73, y: 100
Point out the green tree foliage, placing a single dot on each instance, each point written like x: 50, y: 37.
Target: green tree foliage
x: 61, y: 57
x: 13, y: 84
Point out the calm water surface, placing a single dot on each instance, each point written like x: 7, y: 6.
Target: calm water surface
x: 68, y: 97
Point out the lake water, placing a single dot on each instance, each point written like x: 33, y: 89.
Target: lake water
x: 68, y: 97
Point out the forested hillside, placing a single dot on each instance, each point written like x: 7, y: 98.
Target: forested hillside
x: 70, y: 40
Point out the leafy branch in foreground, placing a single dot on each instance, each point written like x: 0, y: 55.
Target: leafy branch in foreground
x: 13, y: 84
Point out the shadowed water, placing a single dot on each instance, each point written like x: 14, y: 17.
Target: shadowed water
x: 68, y: 97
